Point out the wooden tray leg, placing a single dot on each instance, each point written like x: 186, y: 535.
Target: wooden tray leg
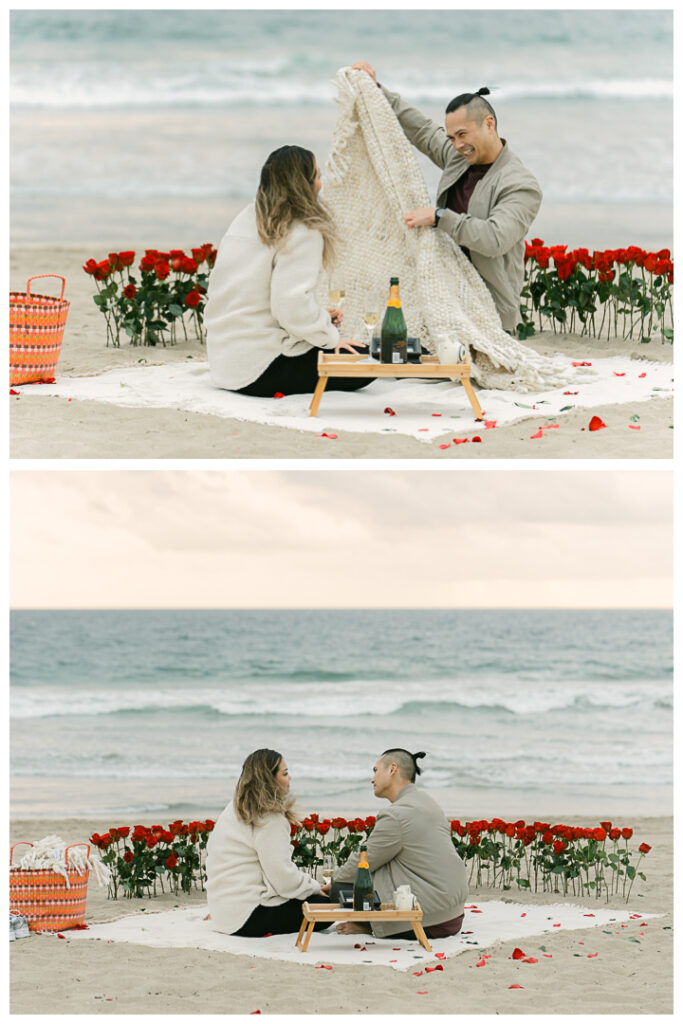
x: 467, y: 384
x: 301, y: 932
x: 420, y: 932
x: 317, y: 395
x: 311, y: 926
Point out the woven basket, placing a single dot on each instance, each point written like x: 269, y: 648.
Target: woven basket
x: 36, y: 328
x: 44, y: 899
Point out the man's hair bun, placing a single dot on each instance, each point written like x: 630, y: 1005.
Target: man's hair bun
x: 484, y: 91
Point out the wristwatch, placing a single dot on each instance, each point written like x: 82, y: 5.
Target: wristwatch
x: 437, y: 215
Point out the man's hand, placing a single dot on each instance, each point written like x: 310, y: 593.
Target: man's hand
x: 423, y: 217
x: 336, y: 315
x: 362, y: 65
x: 325, y: 889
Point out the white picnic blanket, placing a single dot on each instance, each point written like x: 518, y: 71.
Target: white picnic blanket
x: 425, y: 410
x: 487, y: 923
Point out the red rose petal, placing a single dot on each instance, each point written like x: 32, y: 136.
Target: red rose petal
x: 417, y: 974
x: 518, y: 954
x: 60, y: 936
x: 389, y: 411
x: 460, y: 440
x: 596, y: 423
x: 13, y: 392
x: 523, y: 915
x: 515, y: 986
x: 444, y: 446
x: 529, y: 960
x: 333, y: 436
x: 551, y: 426
x: 634, y: 917
x: 278, y: 394
x: 641, y: 375
x: 436, y: 414
x: 476, y: 438
x: 582, y: 364
x: 619, y: 374
x: 633, y: 426
x: 423, y: 993
x: 255, y: 1011
x: 549, y: 956
x: 477, y: 911
x: 440, y: 956
x: 422, y: 429
x: 591, y: 955
x: 437, y: 967
x: 482, y: 963
x: 538, y: 434
x: 489, y: 424
x: 570, y: 392
x: 323, y: 967
x: 557, y: 926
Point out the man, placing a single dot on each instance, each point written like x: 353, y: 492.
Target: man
x: 486, y: 198
x: 410, y: 845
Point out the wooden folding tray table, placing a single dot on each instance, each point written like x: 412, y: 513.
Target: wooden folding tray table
x: 330, y: 912
x: 332, y: 364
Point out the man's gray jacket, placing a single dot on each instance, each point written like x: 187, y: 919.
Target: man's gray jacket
x: 411, y: 845
x: 501, y: 210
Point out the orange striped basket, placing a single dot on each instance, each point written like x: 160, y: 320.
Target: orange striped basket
x: 44, y: 899
x: 36, y: 328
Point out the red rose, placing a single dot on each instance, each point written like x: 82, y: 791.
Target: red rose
x: 167, y: 837
x: 102, y: 270
x: 129, y: 291
x: 599, y: 834
x: 627, y: 833
x: 90, y: 266
x: 151, y: 841
x: 308, y: 824
x: 322, y: 827
x: 650, y: 262
x: 606, y: 825
x: 475, y: 840
x: 209, y: 824
x: 162, y: 270
x: 510, y: 830
x: 126, y: 259
x: 147, y: 262
x: 644, y: 848
x: 370, y: 821
x: 128, y: 856
x: 171, y: 861
x: 547, y: 838
x: 193, y: 298
x: 615, y: 833
x: 188, y: 266
x: 339, y: 823
x: 559, y: 846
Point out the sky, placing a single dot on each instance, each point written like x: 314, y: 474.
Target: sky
x: 343, y: 539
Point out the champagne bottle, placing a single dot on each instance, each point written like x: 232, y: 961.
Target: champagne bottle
x: 363, y: 889
x: 394, y: 335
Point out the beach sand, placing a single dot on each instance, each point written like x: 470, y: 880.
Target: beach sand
x: 55, y: 428
x: 632, y: 973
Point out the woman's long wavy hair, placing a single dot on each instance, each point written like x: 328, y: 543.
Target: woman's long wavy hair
x: 257, y: 793
x: 286, y: 194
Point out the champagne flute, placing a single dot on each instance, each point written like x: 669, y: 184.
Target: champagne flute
x: 370, y: 320
x: 328, y: 866
x: 337, y: 292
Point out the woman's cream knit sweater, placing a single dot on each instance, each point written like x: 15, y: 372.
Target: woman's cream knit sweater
x: 248, y: 865
x: 261, y: 302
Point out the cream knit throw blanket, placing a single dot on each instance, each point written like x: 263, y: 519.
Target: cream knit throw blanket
x: 372, y: 180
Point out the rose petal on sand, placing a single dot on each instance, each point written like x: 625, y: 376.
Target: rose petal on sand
x: 444, y: 446
x: 442, y: 956
x: 596, y: 423
x: 634, y: 917
x: 538, y: 434
x: 549, y: 956
x: 582, y: 364
x: 641, y: 375
x: 570, y: 392
x: 323, y: 967
x: 477, y: 911
x: 60, y: 936
x: 13, y: 392
x: 523, y: 915
x: 278, y: 394
x: 515, y: 986
x: 436, y: 967
x: 460, y: 440
x: 589, y: 915
x: 417, y: 974
x: 482, y: 963
x: 591, y: 955
x: 423, y: 993
x: 436, y: 414
x: 619, y: 374
x: 518, y: 954
x: 255, y: 1011
x: 476, y: 438
x: 489, y: 424
x: 333, y: 436
x: 529, y: 960
x: 389, y: 411
x: 423, y: 430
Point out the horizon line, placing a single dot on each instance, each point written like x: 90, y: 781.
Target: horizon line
x: 345, y: 608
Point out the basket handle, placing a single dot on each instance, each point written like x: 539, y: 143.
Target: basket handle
x: 36, y: 276
x: 66, y: 852
x: 22, y: 842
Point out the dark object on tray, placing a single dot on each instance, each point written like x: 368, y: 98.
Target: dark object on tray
x: 414, y: 349
x: 346, y: 899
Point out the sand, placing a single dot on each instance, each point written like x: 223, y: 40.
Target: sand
x: 55, y: 428
x: 49, y: 975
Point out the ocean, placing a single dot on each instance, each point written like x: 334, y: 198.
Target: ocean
x: 132, y: 714
x: 148, y: 127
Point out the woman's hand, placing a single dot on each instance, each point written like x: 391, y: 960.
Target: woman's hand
x: 362, y: 65
x: 346, y: 345
x: 325, y: 889
x: 336, y: 315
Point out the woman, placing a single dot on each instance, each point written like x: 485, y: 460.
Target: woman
x: 264, y: 326
x: 252, y: 886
